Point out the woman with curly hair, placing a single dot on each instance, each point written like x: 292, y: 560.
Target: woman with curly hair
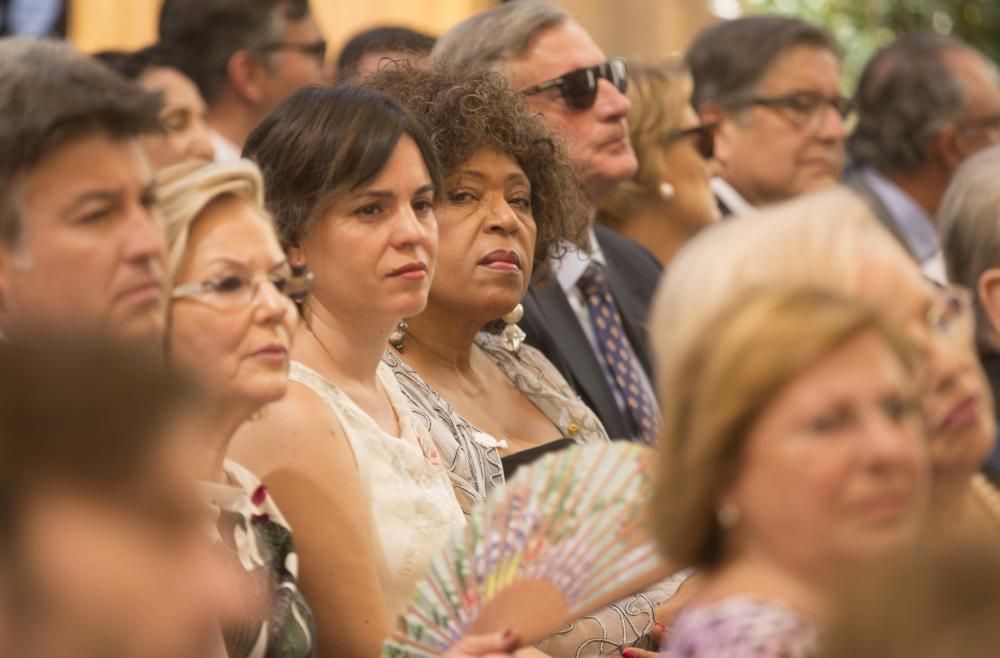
x: 491, y: 403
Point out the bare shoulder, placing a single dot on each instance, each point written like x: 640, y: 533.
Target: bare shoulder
x: 298, y: 433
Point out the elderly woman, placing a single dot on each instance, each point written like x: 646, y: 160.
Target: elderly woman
x: 184, y: 131
x: 971, y: 241
x: 231, y: 321
x: 798, y: 418
x: 670, y: 198
x: 830, y: 240
x: 490, y: 402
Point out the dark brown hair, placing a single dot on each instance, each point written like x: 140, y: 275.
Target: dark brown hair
x: 465, y: 113
x: 49, y: 95
x: 77, y: 412
x: 728, y: 60
x: 323, y: 141
x: 203, y: 35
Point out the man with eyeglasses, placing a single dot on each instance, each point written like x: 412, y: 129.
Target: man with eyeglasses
x: 772, y: 84
x: 925, y: 103
x: 591, y: 325
x: 246, y: 56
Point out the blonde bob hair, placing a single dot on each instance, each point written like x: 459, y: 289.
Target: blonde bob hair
x: 660, y: 91
x: 758, y: 345
x: 826, y: 240
x: 184, y: 191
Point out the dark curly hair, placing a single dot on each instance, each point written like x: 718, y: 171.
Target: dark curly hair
x: 465, y: 113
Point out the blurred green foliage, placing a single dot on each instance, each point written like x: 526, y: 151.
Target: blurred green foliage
x: 863, y: 26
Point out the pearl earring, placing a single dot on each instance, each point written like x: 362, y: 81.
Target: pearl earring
x: 666, y: 191
x: 398, y: 335
x: 512, y: 334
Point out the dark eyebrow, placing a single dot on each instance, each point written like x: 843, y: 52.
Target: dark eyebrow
x: 512, y: 176
x: 375, y: 194
x: 428, y: 188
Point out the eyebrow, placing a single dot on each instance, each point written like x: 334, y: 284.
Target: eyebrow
x: 226, y: 260
x: 512, y: 176
x: 90, y: 196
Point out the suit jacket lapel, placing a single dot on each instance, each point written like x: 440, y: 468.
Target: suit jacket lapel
x: 579, y: 355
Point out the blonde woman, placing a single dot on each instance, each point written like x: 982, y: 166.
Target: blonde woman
x: 670, y: 198
x: 230, y: 323
x: 829, y: 239
x: 793, y: 455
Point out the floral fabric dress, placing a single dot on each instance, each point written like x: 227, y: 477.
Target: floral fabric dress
x: 251, y: 526
x: 741, y: 628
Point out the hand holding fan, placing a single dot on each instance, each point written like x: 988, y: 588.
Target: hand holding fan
x: 566, y: 536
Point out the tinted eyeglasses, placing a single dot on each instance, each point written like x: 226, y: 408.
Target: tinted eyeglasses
x: 704, y: 135
x: 579, y: 87
x: 316, y: 49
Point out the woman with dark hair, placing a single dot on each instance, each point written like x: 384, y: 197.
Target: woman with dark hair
x: 511, y: 200
x: 351, y: 182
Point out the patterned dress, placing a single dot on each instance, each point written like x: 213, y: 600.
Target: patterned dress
x: 741, y: 628
x: 251, y: 526
x: 476, y: 468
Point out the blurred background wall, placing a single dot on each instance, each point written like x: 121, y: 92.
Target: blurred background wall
x: 621, y: 27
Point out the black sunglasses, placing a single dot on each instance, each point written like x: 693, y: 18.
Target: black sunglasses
x: 705, y: 134
x: 316, y: 49
x: 579, y: 87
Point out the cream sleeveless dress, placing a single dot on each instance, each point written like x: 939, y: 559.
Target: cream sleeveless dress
x: 409, y: 494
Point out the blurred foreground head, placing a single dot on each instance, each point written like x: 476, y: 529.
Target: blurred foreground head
x: 102, y: 545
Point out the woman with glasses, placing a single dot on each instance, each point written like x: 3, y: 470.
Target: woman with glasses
x: 670, y: 198
x: 830, y: 240
x: 231, y: 322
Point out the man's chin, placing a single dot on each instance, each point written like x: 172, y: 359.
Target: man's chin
x: 144, y: 328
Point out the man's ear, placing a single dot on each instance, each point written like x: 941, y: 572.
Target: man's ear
x: 988, y: 292
x: 244, y: 72
x: 713, y: 113
x: 946, y: 147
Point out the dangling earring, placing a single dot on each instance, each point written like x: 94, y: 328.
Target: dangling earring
x: 728, y: 515
x: 398, y: 335
x: 512, y: 334
x: 666, y: 191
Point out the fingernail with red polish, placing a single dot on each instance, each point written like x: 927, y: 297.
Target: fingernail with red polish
x: 628, y: 654
x: 508, y: 634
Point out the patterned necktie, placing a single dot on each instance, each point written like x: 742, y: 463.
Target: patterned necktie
x: 622, y: 362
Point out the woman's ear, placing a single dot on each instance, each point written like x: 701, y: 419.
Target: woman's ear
x: 988, y: 292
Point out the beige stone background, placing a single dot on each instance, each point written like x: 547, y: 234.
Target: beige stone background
x: 622, y: 27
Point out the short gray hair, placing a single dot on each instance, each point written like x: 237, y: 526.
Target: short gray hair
x: 487, y: 40
x: 970, y: 231
x: 906, y: 93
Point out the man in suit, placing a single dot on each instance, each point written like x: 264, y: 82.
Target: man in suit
x: 925, y: 104
x: 591, y: 324
x: 772, y: 84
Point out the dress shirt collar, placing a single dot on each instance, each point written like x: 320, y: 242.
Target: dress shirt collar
x: 731, y: 198
x: 915, y: 224
x: 225, y: 151
x: 574, y: 262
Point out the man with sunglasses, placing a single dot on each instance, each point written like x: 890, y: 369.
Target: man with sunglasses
x: 592, y: 324
x: 772, y: 84
x: 925, y: 103
x: 246, y: 56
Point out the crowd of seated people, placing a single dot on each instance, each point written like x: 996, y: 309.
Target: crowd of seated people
x: 273, y: 325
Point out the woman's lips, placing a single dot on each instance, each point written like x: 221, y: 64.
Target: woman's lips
x: 962, y: 414
x: 272, y: 353
x: 416, y: 271
x: 502, y: 260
